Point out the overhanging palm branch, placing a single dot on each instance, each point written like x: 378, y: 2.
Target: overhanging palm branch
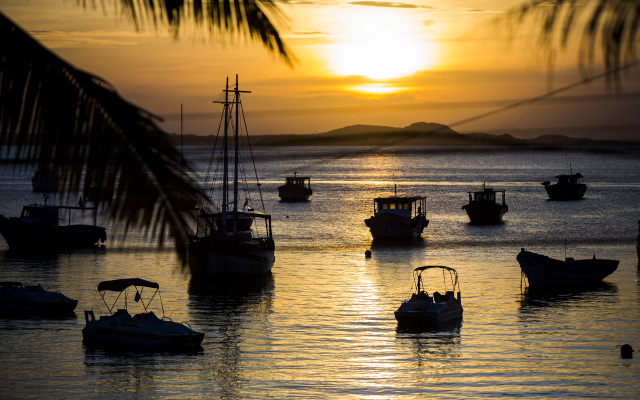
x: 613, y: 25
x: 60, y: 117
x: 223, y: 19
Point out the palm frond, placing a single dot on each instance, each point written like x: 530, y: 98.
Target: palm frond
x: 54, y: 115
x: 223, y: 19
x: 611, y: 25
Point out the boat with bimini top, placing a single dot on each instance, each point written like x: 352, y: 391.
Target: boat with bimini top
x: 397, y: 217
x: 425, y: 311
x: 484, y: 208
x: 230, y: 241
x: 296, y: 188
x: 140, y: 331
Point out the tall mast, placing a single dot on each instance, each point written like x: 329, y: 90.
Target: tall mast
x: 235, y: 159
x: 225, y: 177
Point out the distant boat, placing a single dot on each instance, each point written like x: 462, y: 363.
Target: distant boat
x: 568, y: 187
x: 483, y: 209
x: 44, y: 180
x: 242, y: 245
x: 19, y: 299
x: 38, y: 228
x: 424, y: 311
x: 296, y: 188
x: 397, y: 217
x: 542, y: 270
x: 140, y: 331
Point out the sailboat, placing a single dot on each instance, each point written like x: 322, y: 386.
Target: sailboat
x: 229, y: 239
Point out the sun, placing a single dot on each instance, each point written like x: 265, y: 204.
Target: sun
x: 379, y: 45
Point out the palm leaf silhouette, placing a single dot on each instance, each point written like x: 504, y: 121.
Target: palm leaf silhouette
x: 613, y: 25
x: 76, y: 123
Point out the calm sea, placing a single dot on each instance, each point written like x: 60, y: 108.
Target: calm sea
x: 322, y: 325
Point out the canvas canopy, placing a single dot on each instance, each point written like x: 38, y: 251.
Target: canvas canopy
x: 118, y: 285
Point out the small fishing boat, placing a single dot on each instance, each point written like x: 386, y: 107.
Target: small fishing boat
x: 543, y: 270
x: 425, y: 311
x: 483, y: 209
x: 230, y: 241
x: 44, y: 180
x: 296, y: 188
x: 140, y: 331
x: 397, y: 217
x: 38, y: 228
x: 567, y: 187
x: 16, y: 298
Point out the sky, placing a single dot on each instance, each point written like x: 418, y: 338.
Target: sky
x: 357, y: 62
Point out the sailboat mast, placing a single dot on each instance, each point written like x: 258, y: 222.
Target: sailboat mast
x: 225, y: 177
x: 237, y: 145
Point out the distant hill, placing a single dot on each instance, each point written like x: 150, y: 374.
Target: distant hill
x: 417, y: 134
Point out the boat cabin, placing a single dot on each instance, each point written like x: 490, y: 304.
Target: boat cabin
x: 405, y: 206
x: 486, y: 195
x: 303, y: 181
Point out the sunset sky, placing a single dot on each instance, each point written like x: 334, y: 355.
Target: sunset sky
x: 358, y: 62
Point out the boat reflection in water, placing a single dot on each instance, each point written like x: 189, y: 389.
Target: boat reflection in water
x: 234, y: 315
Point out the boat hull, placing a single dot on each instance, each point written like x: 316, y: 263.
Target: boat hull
x: 125, y: 332
x: 33, y: 299
x: 293, y: 193
x: 395, y: 227
x: 211, y: 257
x: 485, y: 214
x: 25, y: 236
x: 542, y: 270
x: 566, y: 192
x: 422, y: 314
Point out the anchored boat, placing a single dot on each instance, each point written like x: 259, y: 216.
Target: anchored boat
x: 397, y: 217
x: 296, y: 188
x: 567, y: 187
x: 543, y: 270
x: 484, y: 208
x: 19, y: 299
x: 140, y: 331
x: 230, y: 241
x: 38, y: 229
x: 427, y: 311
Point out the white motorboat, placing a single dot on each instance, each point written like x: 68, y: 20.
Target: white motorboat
x: 543, y: 270
x: 429, y: 311
x: 242, y: 245
x: 140, y: 331
x: 16, y: 298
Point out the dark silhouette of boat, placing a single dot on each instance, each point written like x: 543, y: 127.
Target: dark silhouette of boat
x: 231, y: 241
x: 141, y: 331
x: 543, y: 270
x: 483, y: 209
x: 296, y: 188
x: 19, y: 299
x: 38, y: 228
x: 422, y: 311
x: 397, y: 217
x: 567, y: 187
